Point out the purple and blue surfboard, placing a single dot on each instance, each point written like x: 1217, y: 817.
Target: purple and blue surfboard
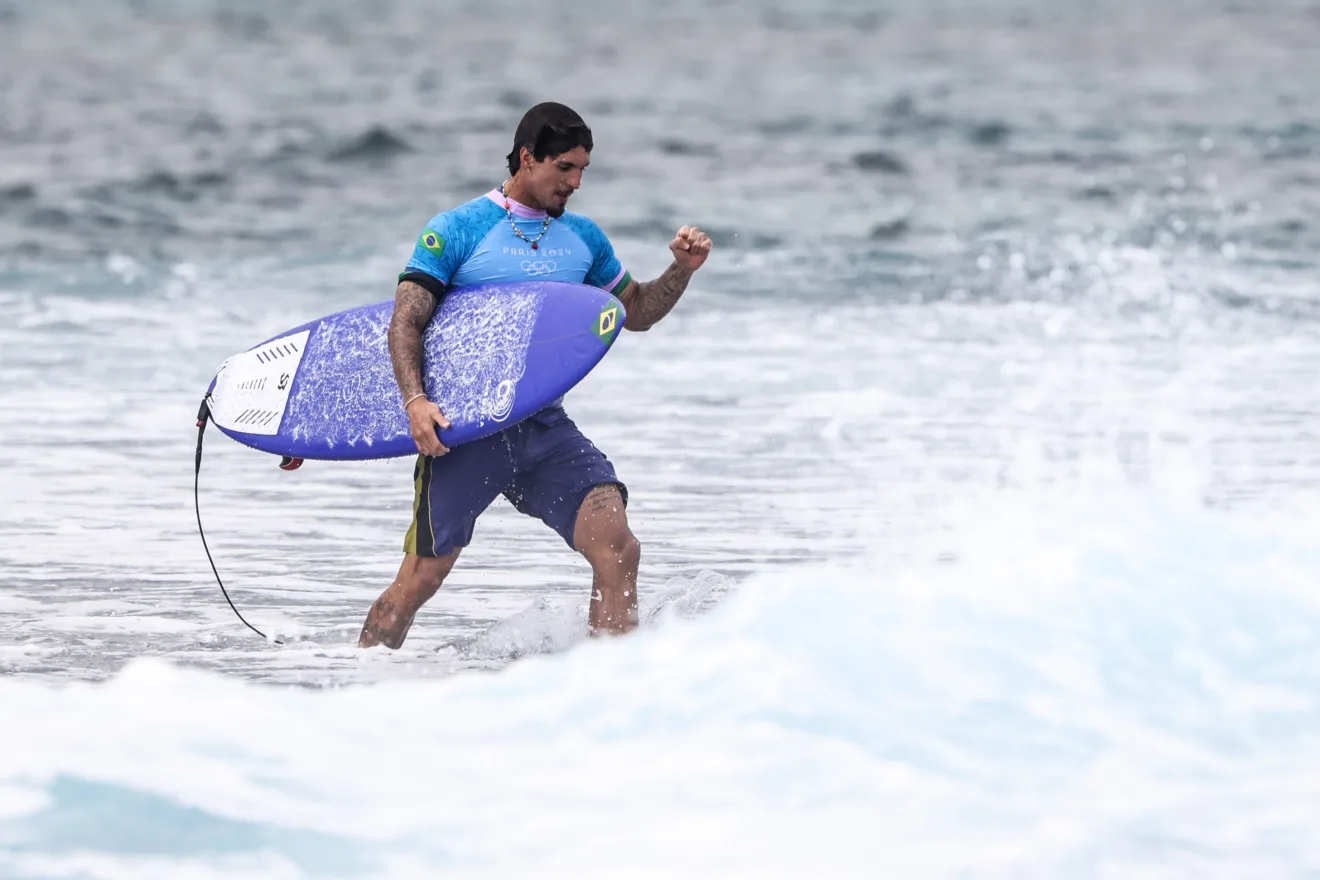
x: 493, y: 355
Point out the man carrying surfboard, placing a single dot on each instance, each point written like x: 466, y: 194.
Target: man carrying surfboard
x: 543, y: 465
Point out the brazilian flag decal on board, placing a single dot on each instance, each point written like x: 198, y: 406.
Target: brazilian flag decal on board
x: 432, y: 242
x: 607, y: 324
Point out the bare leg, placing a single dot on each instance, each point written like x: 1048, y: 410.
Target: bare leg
x: 390, y: 617
x: 601, y: 534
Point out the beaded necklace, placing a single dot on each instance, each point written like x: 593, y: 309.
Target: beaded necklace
x: 508, y: 211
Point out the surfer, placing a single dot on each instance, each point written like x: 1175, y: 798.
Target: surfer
x: 543, y: 465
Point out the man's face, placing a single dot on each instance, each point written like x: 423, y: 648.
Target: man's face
x: 555, y: 178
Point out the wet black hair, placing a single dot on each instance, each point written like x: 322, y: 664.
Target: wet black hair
x: 549, y: 129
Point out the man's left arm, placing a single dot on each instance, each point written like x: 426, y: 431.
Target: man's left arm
x: 649, y: 301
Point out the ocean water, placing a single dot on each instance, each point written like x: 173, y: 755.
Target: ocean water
x: 976, y: 475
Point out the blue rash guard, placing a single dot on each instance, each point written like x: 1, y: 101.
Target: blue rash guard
x: 475, y: 244
x: 543, y: 465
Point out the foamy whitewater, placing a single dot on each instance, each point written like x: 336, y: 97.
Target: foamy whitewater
x: 976, y: 475
x: 1125, y: 692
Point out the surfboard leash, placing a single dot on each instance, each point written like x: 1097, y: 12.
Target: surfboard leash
x: 204, y: 416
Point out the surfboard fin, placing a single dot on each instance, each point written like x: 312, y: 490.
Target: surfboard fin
x: 289, y: 463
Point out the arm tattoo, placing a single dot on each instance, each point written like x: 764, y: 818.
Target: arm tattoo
x: 651, y: 300
x: 603, y: 497
x: 413, y: 307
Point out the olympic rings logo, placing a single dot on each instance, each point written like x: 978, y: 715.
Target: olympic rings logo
x: 539, y: 267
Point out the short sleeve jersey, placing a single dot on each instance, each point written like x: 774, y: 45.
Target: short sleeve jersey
x: 475, y: 244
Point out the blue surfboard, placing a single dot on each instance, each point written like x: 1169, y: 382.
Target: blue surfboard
x: 492, y: 355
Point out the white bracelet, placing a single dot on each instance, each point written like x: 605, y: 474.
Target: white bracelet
x: 414, y: 397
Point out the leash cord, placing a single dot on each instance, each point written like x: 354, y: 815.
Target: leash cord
x: 203, y: 416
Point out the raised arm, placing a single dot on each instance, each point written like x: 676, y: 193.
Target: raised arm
x: 650, y: 301
x: 413, y: 307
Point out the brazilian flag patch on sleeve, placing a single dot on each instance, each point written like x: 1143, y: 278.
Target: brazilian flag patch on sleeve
x: 432, y: 242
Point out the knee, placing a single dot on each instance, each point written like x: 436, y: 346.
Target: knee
x: 618, y: 550
x: 630, y: 550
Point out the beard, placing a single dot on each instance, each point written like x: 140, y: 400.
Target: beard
x: 554, y: 207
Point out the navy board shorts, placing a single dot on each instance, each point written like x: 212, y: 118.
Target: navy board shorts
x: 543, y: 465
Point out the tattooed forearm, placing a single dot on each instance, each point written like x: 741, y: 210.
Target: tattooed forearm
x: 650, y: 301
x: 413, y: 307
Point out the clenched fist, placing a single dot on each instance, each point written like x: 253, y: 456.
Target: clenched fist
x: 691, y: 247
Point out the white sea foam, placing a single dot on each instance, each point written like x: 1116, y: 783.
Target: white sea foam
x: 1119, y: 687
